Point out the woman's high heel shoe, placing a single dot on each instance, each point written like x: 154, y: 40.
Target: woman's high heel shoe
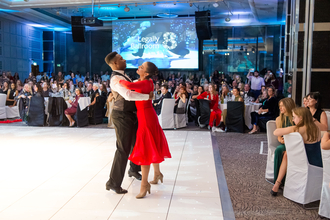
x: 144, y: 192
x: 156, y: 178
x: 273, y: 193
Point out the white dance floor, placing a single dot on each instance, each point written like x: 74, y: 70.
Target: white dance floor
x: 60, y: 174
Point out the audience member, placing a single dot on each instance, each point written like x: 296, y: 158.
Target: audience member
x: 157, y: 92
x: 5, y: 87
x: 109, y: 103
x: 12, y: 92
x: 256, y: 83
x: 314, y: 105
x: 37, y: 90
x: 89, y: 90
x: 305, y: 101
x: 312, y: 137
x: 215, y: 115
x: 285, y: 119
x: 45, y: 90
x: 203, y: 81
x: 69, y: 112
x: 176, y: 92
x: 159, y: 102
x: 267, y: 111
x: 181, y: 101
x: 247, y: 92
x: 224, y: 92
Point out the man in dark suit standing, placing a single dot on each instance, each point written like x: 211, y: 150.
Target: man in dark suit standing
x: 125, y: 123
x: 159, y: 102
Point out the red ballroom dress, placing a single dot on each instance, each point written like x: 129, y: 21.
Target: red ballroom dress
x: 151, y: 144
x: 214, y: 106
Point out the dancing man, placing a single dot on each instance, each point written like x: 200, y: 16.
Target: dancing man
x: 125, y: 123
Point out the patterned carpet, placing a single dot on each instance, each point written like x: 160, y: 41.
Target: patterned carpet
x: 244, y: 169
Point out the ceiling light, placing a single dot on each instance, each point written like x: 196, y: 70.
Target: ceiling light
x: 154, y: 3
x: 215, y: 4
x: 167, y: 15
x: 107, y: 18
x: 227, y: 19
x: 127, y: 9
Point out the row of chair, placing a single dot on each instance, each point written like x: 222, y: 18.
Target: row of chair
x: 304, y: 182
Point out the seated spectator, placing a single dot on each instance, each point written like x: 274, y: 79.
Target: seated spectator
x: 89, y: 90
x: 325, y: 142
x: 237, y: 98
x: 19, y: 86
x: 248, y: 92
x: 12, y: 92
x: 314, y: 105
x: 81, y: 86
x: 60, y: 78
x: 206, y: 87
x: 103, y: 91
x: 5, y: 87
x: 263, y: 94
x: 189, y: 90
x: 95, y: 93
x: 305, y: 102
x: 45, y: 78
x: 45, y: 90
x: 267, y: 111
x: 24, y: 97
x: 64, y: 90
x: 157, y: 92
x: 214, y: 106
x: 159, y: 102
x: 236, y: 95
x: 74, y: 105
x: 37, y: 90
x: 312, y: 137
x: 224, y: 92
x: 176, y: 92
x: 203, y: 81
x: 181, y: 101
x: 16, y: 77
x: 194, y: 104
x: 171, y: 87
x: 287, y: 85
x: 284, y: 120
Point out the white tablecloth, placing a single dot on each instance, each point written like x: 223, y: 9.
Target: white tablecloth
x: 84, y: 102
x: 248, y: 109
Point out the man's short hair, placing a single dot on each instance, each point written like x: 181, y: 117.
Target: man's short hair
x: 165, y: 86
x: 110, y: 57
x: 96, y: 85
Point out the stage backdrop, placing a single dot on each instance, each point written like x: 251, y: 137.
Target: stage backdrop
x: 169, y: 43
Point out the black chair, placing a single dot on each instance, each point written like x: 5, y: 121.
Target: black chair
x: 235, y: 117
x: 56, y: 108
x: 204, y: 108
x: 81, y: 117
x: 97, y: 111
x: 36, y: 112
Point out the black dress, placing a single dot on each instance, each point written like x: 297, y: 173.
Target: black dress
x: 12, y: 95
x: 317, y: 114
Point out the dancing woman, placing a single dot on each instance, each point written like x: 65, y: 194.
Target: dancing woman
x: 151, y: 145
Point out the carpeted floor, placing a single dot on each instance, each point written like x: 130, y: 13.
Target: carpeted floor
x: 244, y: 169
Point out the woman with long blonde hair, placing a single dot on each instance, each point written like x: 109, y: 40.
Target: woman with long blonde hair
x: 305, y: 125
x: 284, y: 120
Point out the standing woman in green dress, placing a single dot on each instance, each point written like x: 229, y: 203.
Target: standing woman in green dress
x: 286, y: 106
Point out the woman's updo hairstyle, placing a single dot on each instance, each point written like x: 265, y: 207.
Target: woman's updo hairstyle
x: 151, y: 69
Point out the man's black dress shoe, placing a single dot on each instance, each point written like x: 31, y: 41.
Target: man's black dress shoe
x: 118, y: 190
x: 135, y: 174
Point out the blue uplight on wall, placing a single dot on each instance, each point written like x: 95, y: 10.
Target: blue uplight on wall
x: 8, y: 10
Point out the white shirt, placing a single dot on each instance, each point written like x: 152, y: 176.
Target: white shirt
x: 125, y: 93
x: 256, y: 82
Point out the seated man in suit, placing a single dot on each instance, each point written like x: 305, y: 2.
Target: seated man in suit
x: 158, y: 102
x: 89, y: 90
x: 248, y: 92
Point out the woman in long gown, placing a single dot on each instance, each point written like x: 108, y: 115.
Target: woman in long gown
x: 151, y: 145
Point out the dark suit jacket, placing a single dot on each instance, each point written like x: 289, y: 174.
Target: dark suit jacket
x: 159, y: 102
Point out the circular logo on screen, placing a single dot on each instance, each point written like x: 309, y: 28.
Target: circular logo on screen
x: 169, y: 40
